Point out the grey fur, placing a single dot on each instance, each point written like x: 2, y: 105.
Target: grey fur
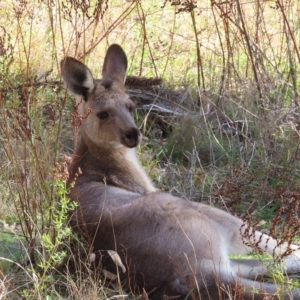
x: 175, y: 246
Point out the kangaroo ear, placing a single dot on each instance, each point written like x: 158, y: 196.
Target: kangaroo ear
x: 77, y: 77
x: 114, y: 68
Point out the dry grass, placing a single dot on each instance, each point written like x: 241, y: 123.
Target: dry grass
x: 233, y: 65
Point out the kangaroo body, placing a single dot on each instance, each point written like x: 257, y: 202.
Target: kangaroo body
x: 170, y: 245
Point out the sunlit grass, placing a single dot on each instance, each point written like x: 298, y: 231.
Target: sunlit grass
x: 192, y: 159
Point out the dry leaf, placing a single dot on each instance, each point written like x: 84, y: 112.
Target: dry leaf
x: 92, y: 257
x: 261, y: 222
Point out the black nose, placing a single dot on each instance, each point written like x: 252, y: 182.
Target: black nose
x: 132, y: 137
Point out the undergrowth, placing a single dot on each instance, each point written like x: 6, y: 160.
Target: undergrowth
x: 223, y: 129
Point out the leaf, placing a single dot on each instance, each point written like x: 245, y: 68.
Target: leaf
x: 92, y: 257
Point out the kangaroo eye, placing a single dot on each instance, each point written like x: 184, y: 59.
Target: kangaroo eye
x: 102, y: 115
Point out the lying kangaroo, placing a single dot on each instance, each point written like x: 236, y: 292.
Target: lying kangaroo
x: 170, y: 245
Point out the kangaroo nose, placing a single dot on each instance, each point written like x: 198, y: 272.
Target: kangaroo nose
x: 132, y: 137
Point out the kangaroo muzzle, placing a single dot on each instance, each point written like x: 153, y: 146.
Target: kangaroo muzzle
x: 131, y: 137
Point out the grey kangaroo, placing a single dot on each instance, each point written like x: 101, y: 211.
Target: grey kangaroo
x: 170, y: 246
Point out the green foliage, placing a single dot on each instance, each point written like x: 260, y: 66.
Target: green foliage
x: 232, y: 74
x: 10, y: 249
x: 59, y: 215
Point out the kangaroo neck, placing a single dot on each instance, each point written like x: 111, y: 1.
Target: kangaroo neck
x: 111, y: 166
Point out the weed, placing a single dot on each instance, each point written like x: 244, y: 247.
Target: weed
x: 228, y: 135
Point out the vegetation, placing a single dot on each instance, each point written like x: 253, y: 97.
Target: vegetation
x: 223, y: 128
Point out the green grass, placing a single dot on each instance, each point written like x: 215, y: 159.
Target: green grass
x: 13, y: 249
x: 190, y: 156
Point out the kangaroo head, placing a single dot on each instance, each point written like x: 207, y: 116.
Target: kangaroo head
x: 106, y: 109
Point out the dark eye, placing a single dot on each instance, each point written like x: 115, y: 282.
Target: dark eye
x: 102, y: 115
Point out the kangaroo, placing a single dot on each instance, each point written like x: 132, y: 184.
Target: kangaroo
x: 173, y: 246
